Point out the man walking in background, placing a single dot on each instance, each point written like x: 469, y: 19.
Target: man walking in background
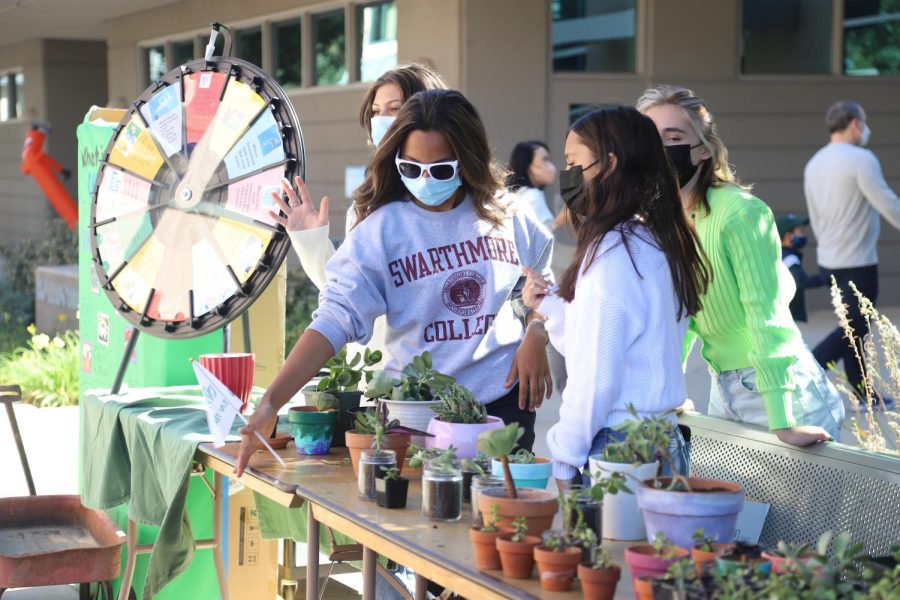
x: 845, y: 193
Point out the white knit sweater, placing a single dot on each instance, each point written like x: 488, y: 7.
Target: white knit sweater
x: 621, y: 337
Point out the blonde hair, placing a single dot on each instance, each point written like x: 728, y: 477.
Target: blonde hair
x: 715, y: 172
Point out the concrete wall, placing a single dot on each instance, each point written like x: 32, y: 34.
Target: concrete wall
x: 771, y: 124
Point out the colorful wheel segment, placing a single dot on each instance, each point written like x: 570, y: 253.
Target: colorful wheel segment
x: 181, y: 225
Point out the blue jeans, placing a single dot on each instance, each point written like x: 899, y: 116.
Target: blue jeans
x: 678, y: 448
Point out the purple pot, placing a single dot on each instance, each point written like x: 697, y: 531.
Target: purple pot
x: 713, y: 506
x: 461, y: 436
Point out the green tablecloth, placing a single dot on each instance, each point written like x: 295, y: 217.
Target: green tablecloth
x: 137, y: 447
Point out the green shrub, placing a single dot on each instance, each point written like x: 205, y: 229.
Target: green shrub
x: 59, y: 247
x: 46, y: 369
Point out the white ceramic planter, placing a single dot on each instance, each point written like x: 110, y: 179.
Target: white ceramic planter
x: 622, y: 518
x: 413, y: 414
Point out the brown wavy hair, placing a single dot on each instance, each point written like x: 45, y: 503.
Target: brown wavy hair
x: 411, y: 78
x: 450, y: 114
x: 639, y: 182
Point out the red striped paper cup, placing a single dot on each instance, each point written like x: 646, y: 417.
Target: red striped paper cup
x: 235, y: 370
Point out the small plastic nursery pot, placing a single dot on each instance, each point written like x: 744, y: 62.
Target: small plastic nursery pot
x: 537, y: 506
x: 557, y: 568
x: 347, y: 400
x: 312, y: 429
x: 469, y: 475
x: 740, y: 556
x: 712, y: 505
x: 643, y: 561
x: 598, y: 584
x: 357, y: 442
x: 461, y: 436
x: 517, y: 558
x: 487, y: 557
x: 391, y: 493
x: 533, y: 475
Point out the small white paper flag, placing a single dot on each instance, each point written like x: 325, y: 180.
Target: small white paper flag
x: 222, y: 406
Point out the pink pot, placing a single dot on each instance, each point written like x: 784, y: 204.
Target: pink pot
x: 461, y: 436
x: 643, y: 562
x: 235, y: 370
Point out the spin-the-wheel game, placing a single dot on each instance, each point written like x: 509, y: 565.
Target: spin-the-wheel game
x: 180, y: 228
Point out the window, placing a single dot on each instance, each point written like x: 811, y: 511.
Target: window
x: 12, y: 87
x: 594, y: 35
x: 248, y: 45
x: 330, y: 66
x: 286, y: 53
x: 154, y: 63
x: 786, y: 36
x: 377, y: 39
x: 182, y: 52
x: 19, y: 91
x: 871, y: 37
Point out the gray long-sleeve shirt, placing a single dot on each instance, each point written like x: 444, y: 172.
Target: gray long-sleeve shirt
x: 845, y: 193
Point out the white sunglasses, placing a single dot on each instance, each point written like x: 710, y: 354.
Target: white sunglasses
x: 440, y: 171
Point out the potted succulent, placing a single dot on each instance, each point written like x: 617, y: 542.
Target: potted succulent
x: 373, y: 464
x: 459, y: 420
x: 786, y: 556
x: 391, y: 489
x: 517, y: 550
x: 538, y: 507
x: 312, y: 426
x: 373, y: 430
x: 742, y: 557
x: 409, y: 399
x: 599, y: 577
x: 677, y: 506
x: 484, y: 540
x: 342, y: 381
x: 557, y: 560
x: 646, y: 561
x: 705, y: 550
x: 527, y: 469
x: 680, y: 582
x: 472, y: 468
x: 442, y: 487
x: 636, y: 458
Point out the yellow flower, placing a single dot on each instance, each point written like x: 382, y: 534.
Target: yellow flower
x: 61, y: 317
x: 40, y: 341
x: 31, y: 329
x: 59, y: 342
x: 6, y: 317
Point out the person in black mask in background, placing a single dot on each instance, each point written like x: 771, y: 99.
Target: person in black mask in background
x: 792, y: 231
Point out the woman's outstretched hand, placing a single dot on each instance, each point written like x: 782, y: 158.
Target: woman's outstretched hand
x: 262, y: 421
x: 300, y: 214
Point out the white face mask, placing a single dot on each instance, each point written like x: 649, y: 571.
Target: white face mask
x: 380, y: 126
x: 864, y: 136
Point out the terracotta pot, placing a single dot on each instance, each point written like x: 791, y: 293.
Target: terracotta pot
x: 357, y: 442
x: 781, y: 564
x: 517, y: 558
x: 643, y: 588
x: 598, y: 584
x: 643, y: 562
x: 713, y: 505
x: 537, y: 506
x: 557, y: 569
x: 701, y: 557
x: 485, y: 543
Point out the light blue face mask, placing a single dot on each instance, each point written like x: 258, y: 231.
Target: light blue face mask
x: 380, y: 126
x: 430, y: 191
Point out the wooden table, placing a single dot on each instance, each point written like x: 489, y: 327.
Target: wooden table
x: 440, y: 552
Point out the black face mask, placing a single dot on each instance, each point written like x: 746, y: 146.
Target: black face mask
x: 571, y: 186
x: 680, y: 155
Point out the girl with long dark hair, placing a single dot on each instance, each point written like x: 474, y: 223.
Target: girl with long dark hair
x: 530, y: 169
x: 622, y: 307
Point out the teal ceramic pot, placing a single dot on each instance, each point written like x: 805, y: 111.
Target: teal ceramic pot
x: 312, y: 429
x: 534, y: 475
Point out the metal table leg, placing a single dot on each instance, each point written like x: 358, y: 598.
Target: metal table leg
x: 421, y: 587
x: 312, y: 554
x: 217, y: 535
x: 130, y: 558
x: 369, y: 561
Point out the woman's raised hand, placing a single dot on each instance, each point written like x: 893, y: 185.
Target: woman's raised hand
x: 300, y: 214
x: 536, y: 287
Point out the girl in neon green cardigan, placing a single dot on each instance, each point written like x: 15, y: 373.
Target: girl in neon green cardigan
x: 762, y: 372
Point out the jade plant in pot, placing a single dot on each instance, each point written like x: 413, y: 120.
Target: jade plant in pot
x: 677, y: 506
x: 681, y: 582
x: 391, y: 489
x: 599, y: 577
x: 312, y: 426
x: 441, y: 486
x: 409, y: 399
x: 484, y: 540
x: 342, y: 381
x: 459, y: 420
x: 786, y: 555
x: 557, y: 559
x: 636, y: 458
x: 527, y: 469
x: 742, y: 556
x: 538, y: 507
x: 517, y: 550
x: 646, y: 561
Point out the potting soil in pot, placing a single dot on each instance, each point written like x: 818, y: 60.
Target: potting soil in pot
x: 371, y: 462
